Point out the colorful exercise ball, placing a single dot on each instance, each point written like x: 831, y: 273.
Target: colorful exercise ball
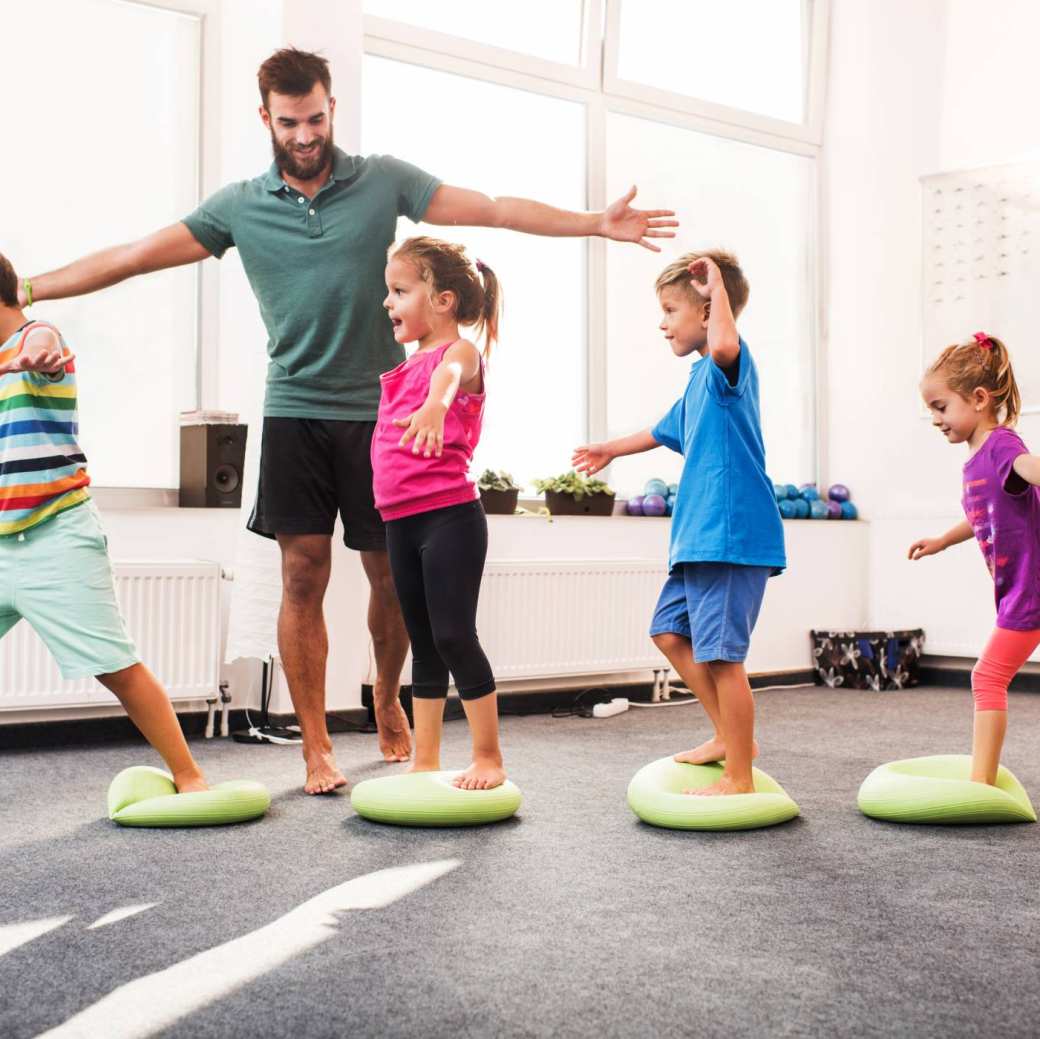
x: 670, y: 502
x: 656, y: 487
x: 780, y: 490
x: 792, y: 491
x: 808, y: 491
x: 817, y: 509
x: 849, y: 511
x: 787, y: 509
x: 634, y: 506
x: 834, y: 510
x: 839, y: 492
x: 801, y: 508
x: 654, y: 505
x: 673, y: 489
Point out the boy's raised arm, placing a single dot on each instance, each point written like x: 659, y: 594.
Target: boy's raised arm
x: 723, y: 339
x: 173, y: 246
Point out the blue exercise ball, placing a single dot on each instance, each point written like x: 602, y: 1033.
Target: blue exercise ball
x: 787, y: 509
x: 670, y: 503
x: 654, y: 505
x: 656, y: 488
x: 801, y: 508
x: 849, y: 511
x: 780, y: 490
x: 673, y: 489
x: 817, y: 509
x: 792, y: 491
x: 808, y: 491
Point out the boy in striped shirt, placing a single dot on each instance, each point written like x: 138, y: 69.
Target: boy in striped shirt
x: 54, y: 566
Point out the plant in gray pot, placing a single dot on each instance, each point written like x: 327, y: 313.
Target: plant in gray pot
x: 498, y: 492
x: 575, y: 495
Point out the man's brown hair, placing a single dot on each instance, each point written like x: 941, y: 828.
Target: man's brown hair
x: 293, y: 72
x: 676, y: 273
x: 8, y: 283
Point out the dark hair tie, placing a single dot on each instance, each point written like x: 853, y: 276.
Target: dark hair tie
x: 483, y: 267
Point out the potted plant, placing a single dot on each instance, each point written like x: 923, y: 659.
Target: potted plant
x: 498, y: 492
x: 575, y: 495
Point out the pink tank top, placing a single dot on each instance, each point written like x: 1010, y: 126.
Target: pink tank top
x: 404, y: 483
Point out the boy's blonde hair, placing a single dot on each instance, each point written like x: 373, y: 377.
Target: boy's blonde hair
x: 676, y: 273
x: 445, y: 267
x: 984, y: 363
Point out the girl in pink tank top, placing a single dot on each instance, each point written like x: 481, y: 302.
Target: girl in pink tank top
x: 972, y: 395
x: 429, y: 422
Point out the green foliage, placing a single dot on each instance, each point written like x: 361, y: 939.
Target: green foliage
x: 500, y: 481
x: 572, y: 483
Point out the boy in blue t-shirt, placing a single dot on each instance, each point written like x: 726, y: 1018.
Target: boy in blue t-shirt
x: 727, y: 538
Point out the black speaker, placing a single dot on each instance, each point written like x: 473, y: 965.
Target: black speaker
x: 212, y: 459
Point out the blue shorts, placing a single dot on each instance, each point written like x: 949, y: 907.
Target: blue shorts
x: 714, y: 605
x: 58, y: 577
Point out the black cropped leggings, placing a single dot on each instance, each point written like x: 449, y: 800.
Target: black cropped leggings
x: 437, y: 560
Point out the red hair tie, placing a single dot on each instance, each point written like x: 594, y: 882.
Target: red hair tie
x: 984, y: 340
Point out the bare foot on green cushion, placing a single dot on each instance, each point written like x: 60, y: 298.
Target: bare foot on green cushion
x: 425, y: 766
x: 483, y: 774
x: 322, y: 774
x: 191, y: 781
x: 722, y: 788
x: 709, y: 752
x: 395, y: 737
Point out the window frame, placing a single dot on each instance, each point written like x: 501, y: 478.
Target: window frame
x: 603, y: 94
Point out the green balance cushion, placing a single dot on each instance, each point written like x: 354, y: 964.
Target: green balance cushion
x: 429, y: 799
x: 656, y: 796
x: 146, y: 796
x: 938, y: 789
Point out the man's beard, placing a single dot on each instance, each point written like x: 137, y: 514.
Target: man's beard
x: 302, y: 169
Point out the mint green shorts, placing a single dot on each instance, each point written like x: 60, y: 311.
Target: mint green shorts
x: 58, y: 577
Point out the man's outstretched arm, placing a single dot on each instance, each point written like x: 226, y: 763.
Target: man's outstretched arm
x: 173, y: 246
x: 622, y: 223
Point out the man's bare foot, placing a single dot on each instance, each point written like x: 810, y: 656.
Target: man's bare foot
x: 395, y: 737
x: 322, y: 774
x: 190, y: 782
x: 481, y: 775
x: 709, y: 752
x: 723, y: 787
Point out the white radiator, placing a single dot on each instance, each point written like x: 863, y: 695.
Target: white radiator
x: 556, y: 618
x: 173, y: 613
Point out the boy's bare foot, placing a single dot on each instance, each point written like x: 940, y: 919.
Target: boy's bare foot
x: 322, y: 774
x: 481, y: 775
x: 395, y: 738
x: 724, y: 786
x: 426, y: 766
x: 709, y: 752
x: 190, y: 782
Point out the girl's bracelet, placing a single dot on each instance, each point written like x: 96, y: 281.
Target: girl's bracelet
x: 27, y: 285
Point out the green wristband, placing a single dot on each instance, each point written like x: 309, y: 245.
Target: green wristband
x: 27, y: 285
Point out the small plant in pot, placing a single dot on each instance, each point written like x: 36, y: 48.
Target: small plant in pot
x: 498, y: 492
x: 575, y: 495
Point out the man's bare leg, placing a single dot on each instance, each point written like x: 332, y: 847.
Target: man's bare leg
x: 303, y: 645
x: 149, y: 708
x: 390, y: 645
x: 697, y: 677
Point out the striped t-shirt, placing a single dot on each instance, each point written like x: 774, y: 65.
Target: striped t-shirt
x: 42, y: 469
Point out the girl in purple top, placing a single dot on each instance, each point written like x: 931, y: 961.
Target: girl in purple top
x: 971, y: 393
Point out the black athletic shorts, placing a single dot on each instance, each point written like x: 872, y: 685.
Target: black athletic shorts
x: 310, y: 469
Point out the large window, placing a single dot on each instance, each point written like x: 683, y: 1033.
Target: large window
x: 713, y: 109
x: 106, y: 152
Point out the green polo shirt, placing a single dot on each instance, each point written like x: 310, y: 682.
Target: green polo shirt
x: 316, y: 268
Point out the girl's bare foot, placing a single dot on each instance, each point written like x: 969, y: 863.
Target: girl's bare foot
x: 724, y: 786
x: 709, y: 752
x: 322, y: 774
x: 395, y: 737
x: 425, y: 766
x: 483, y: 774
x: 191, y: 781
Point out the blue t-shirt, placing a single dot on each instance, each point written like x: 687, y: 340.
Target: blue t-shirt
x: 725, y: 511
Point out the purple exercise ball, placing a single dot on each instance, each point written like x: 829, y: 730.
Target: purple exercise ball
x: 839, y: 492
x: 834, y: 510
x: 654, y: 505
x: 634, y: 507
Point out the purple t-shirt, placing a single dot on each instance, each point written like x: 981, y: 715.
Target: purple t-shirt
x: 1004, y: 512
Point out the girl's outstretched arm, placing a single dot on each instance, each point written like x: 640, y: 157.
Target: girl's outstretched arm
x: 929, y: 546
x: 460, y: 364
x: 1028, y: 467
x: 619, y: 221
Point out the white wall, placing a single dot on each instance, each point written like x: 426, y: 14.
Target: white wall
x: 914, y: 89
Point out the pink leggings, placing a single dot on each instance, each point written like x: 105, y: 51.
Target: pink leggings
x: 1004, y: 654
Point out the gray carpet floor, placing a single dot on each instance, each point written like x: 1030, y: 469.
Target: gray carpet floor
x: 574, y: 919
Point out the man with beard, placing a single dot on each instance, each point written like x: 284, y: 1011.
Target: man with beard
x: 313, y: 233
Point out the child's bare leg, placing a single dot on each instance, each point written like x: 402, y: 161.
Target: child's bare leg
x: 150, y: 710
x: 697, y: 677
x: 986, y: 744
x: 486, y: 771
x: 737, y: 715
x: 428, y: 716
